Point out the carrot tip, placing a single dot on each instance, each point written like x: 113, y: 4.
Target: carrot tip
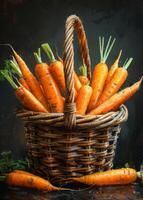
x: 9, y: 45
x: 141, y: 79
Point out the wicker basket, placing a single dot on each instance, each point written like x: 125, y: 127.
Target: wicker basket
x: 62, y: 145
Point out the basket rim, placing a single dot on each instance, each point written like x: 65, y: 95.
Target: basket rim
x: 82, y: 121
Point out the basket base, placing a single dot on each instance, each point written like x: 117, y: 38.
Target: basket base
x: 57, y: 154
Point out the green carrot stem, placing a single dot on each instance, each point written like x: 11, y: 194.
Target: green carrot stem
x: 11, y: 82
x: 105, y: 53
x: 125, y: 62
x: 128, y: 63
x: 83, y: 70
x: 119, y: 56
x: 100, y: 48
x: 15, y: 67
x: 107, y: 46
x: 14, y: 60
x: 37, y: 58
x: 39, y: 52
x: 140, y: 174
x: 47, y: 49
x: 56, y: 51
x: 9, y: 78
x: 109, y: 50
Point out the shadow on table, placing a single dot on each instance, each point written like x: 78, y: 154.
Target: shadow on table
x: 129, y: 192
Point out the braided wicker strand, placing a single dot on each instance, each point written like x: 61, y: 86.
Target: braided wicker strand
x: 73, y: 23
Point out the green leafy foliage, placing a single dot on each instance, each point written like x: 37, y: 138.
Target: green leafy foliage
x: 8, y: 163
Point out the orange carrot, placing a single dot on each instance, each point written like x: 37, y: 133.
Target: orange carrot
x: 113, y: 68
x: 83, y: 99
x: 30, y: 79
x: 100, y: 73
x: 77, y: 83
x: 112, y: 177
x: 30, y: 181
x: 24, y: 83
x: 56, y: 68
x: 24, y: 95
x: 51, y: 90
x: 115, y: 83
x: 28, y: 100
x: 116, y: 100
x: 83, y: 77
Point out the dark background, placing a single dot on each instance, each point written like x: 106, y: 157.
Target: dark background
x: 26, y: 24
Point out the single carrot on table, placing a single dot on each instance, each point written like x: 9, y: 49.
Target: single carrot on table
x: 83, y: 99
x: 83, y: 77
x: 30, y: 79
x: 111, y: 177
x: 114, y: 102
x: 25, y: 179
x: 28, y: 100
x: 115, y: 83
x: 113, y: 68
x: 100, y: 73
x: 51, y: 90
x: 56, y: 68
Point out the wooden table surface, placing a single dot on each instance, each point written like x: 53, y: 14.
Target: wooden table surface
x: 129, y: 192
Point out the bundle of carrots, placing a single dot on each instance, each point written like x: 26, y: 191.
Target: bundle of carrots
x: 46, y: 91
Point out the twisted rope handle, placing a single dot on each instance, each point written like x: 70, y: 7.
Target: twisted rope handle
x: 73, y: 23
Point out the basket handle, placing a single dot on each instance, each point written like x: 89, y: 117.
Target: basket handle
x: 73, y: 23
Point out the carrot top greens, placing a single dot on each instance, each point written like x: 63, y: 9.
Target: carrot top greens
x: 8, y: 164
x: 127, y: 63
x: 5, y: 74
x: 48, y: 51
x: 104, y: 53
x: 37, y: 56
x: 12, y: 66
x: 83, y: 70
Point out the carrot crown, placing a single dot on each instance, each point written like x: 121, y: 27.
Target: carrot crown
x: 48, y: 51
x: 5, y: 74
x: 127, y: 63
x: 104, y: 53
x: 11, y: 65
x: 83, y: 70
x: 37, y: 56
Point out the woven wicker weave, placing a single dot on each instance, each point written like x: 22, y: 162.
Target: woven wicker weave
x: 62, y: 145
